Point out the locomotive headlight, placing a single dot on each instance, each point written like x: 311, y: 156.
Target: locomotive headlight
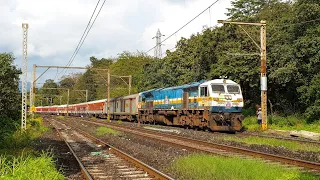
x: 228, y: 97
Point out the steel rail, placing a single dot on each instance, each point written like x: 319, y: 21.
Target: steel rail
x: 153, y: 172
x: 150, y: 134
x: 83, y: 169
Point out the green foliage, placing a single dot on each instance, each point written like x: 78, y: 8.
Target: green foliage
x: 9, y: 92
x: 311, y: 98
x: 293, y: 59
x: 200, y: 166
x: 292, y: 122
x: 248, y: 112
x: 7, y: 126
x: 28, y: 167
x: 100, y: 131
x: 18, y: 160
x: 20, y: 139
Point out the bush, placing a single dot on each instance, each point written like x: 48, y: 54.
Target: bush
x: 248, y: 111
x: 281, y: 121
x: 22, y: 138
x: 313, y: 113
x: 7, y: 126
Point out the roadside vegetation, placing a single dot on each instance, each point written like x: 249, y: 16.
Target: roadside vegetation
x: 200, y: 166
x: 18, y: 160
x: 289, y: 123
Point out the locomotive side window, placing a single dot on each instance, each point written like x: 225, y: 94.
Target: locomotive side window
x: 203, y: 91
x: 216, y: 88
x: 233, y: 89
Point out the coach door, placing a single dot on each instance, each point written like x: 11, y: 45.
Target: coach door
x: 123, y: 105
x: 185, y: 100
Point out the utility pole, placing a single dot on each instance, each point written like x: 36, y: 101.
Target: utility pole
x: 87, y: 95
x: 68, y: 103
x: 157, y: 50
x: 33, y: 91
x: 263, y: 75
x: 24, y: 75
x: 130, y: 79
x: 108, y: 107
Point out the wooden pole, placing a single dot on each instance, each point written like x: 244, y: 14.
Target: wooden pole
x: 263, y: 76
x: 108, y: 105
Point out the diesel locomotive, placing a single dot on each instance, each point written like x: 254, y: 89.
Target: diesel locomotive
x: 214, y: 105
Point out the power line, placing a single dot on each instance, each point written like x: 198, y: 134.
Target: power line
x: 84, y: 35
x: 88, y: 30
x: 184, y: 25
x: 211, y: 28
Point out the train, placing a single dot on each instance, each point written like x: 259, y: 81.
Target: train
x: 215, y: 105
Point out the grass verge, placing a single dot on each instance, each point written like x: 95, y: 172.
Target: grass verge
x: 28, y: 167
x: 295, y: 146
x: 61, y: 117
x: 100, y: 131
x: 19, y: 161
x: 282, y: 123
x: 200, y: 166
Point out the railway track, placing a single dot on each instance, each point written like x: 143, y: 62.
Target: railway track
x: 98, y: 160
x: 214, y: 148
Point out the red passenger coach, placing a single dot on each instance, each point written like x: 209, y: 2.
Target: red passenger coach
x: 97, y: 108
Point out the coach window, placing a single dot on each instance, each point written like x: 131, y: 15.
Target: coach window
x: 204, y: 91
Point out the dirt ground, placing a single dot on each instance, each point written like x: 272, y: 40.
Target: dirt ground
x: 65, y: 162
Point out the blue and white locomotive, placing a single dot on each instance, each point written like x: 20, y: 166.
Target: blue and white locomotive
x: 214, y: 104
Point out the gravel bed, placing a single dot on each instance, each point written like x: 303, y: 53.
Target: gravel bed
x: 153, y: 153
x: 65, y: 162
x: 217, y: 138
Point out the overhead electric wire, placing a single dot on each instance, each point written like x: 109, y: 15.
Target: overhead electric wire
x: 84, y: 35
x: 184, y: 25
x: 88, y: 30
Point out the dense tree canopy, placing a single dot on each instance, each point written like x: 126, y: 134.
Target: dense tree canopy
x: 293, y: 58
x: 9, y: 82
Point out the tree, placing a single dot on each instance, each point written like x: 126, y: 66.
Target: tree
x: 49, y: 91
x: 10, y: 97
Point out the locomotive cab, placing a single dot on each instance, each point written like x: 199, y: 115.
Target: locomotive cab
x: 224, y: 100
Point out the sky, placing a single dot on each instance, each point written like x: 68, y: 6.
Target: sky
x: 56, y: 26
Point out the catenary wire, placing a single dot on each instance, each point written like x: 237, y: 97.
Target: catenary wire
x: 184, y: 25
x: 74, y: 53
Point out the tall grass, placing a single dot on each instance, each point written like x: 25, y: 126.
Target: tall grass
x: 28, y: 167
x: 200, y: 166
x: 293, y: 122
x: 19, y: 161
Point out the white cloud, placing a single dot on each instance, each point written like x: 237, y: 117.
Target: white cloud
x: 55, y: 26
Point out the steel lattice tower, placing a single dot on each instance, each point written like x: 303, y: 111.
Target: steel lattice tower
x: 157, y: 50
x: 24, y: 75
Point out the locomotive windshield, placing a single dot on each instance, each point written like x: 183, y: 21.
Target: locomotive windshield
x: 217, y: 88
x: 233, y: 89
